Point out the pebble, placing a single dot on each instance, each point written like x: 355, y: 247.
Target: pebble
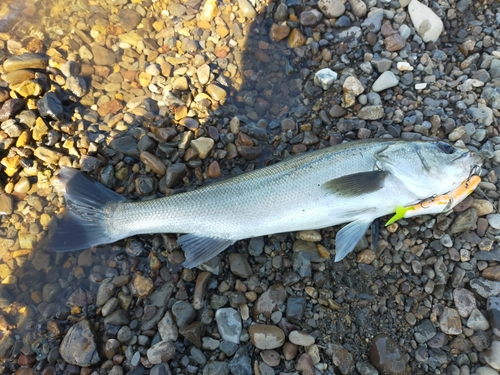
x: 161, y: 352
x: 386, y: 80
x: 183, y: 313
x: 477, y: 321
x: 386, y: 357
x: 78, y: 346
x: 428, y: 25
x: 492, y: 355
x: 493, y: 314
x: 325, y: 78
x: 203, y: 146
x: 265, y: 336
x: 342, y: 359
x: 465, y: 302
x: 229, y: 324
x: 301, y: 338
x: 331, y: 8
x: 305, y: 365
x: 25, y: 61
x: 239, y: 265
x: 270, y: 357
x: 450, y: 322
x: 483, y: 370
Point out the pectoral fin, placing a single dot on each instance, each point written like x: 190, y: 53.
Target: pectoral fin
x: 199, y: 249
x: 354, y: 185
x: 348, y: 237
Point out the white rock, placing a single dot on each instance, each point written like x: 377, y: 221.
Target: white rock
x: 404, y: 66
x: 386, y: 80
x: 420, y: 86
x: 324, y: 78
x: 427, y: 23
x: 492, y: 355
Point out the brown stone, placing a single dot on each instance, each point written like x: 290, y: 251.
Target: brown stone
x: 296, y: 39
x: 214, y: 170
x: 279, y: 32
x: 394, y: 42
x: 153, y: 162
x: 249, y: 153
x: 260, y: 55
x: 113, y: 106
x: 492, y: 273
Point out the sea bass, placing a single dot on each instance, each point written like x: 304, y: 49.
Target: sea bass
x: 355, y: 183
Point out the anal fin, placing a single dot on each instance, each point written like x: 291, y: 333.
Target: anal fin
x: 348, y: 237
x: 200, y: 249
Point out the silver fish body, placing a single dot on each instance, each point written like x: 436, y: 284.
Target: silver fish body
x: 354, y: 182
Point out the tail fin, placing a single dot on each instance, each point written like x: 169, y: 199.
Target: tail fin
x: 89, y: 204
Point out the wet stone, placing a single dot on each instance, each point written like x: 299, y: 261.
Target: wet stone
x: 386, y: 357
x: 295, y: 308
x: 241, y: 363
x: 465, y: 302
x: 310, y: 17
x: 342, y: 359
x: 305, y: 365
x: 302, y: 264
x: 255, y: 246
x: 239, y: 265
x: 279, y: 32
x: 174, y: 175
x: 25, y: 61
x: 102, y: 55
x: 129, y: 19
x: 126, y: 145
x: 79, y: 347
x: 424, y: 331
x: 183, y: 313
x: 193, y: 333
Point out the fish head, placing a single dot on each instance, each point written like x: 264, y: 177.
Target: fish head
x: 428, y: 168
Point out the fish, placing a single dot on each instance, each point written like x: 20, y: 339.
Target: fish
x: 354, y: 182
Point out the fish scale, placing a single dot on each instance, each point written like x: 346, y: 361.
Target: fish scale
x: 354, y: 183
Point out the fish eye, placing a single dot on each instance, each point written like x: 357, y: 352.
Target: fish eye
x: 446, y: 148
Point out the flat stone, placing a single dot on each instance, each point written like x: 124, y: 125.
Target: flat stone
x: 485, y: 288
x: 25, y: 61
x: 301, y: 338
x: 102, y: 55
x: 371, y: 112
x: 265, y: 336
